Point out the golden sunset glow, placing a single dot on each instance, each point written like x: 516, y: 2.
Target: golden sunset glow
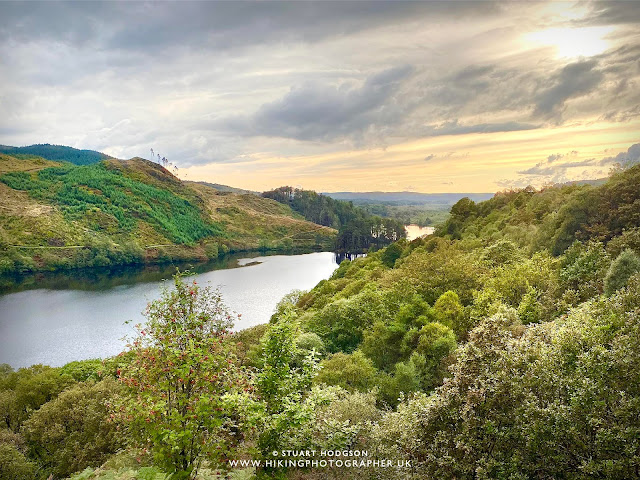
x: 469, y: 163
x: 573, y: 42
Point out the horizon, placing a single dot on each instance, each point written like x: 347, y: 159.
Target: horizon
x: 433, y: 97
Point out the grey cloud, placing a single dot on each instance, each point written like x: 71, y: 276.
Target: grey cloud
x: 557, y: 156
x: 608, y: 12
x: 322, y: 113
x: 460, y: 87
x: 455, y: 128
x: 622, y: 115
x: 625, y: 159
x: 325, y: 112
x: 558, y: 170
x: 541, y: 169
x: 158, y: 25
x: 574, y: 80
x: 471, y: 73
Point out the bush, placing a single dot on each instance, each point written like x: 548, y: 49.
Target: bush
x: 349, y: 371
x: 26, y: 390
x: 74, y: 430
x: 181, y: 379
x: 83, y: 370
x: 623, y: 267
x: 14, y: 465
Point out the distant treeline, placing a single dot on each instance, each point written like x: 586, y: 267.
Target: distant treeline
x: 57, y: 153
x: 406, y: 198
x: 357, y: 230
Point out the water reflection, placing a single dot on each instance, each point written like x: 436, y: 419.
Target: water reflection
x: 96, y: 279
x: 339, y: 257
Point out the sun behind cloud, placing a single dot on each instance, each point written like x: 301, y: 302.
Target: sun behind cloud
x: 570, y: 42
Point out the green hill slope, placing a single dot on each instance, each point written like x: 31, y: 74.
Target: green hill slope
x: 122, y: 212
x: 58, y: 153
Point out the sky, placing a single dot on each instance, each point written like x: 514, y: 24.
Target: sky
x: 332, y: 96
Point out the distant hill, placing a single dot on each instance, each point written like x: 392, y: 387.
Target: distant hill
x: 227, y: 188
x: 406, y: 198
x: 58, y: 215
x: 595, y: 182
x: 57, y: 153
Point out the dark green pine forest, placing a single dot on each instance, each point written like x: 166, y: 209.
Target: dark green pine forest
x: 504, y: 346
x: 57, y: 153
x: 358, y: 230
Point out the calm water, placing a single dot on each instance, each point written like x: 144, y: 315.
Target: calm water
x: 55, y: 319
x: 415, y: 231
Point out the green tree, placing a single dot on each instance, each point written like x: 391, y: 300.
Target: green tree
x: 449, y: 311
x: 180, y: 378
x: 383, y: 344
x: 392, y: 253
x: 529, y: 309
x: 14, y: 465
x: 74, y: 430
x: 353, y: 372
x: 622, y: 268
x: 26, y: 390
x: 435, y: 342
x: 282, y: 390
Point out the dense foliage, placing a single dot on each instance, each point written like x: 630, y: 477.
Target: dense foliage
x: 358, y: 230
x: 57, y: 153
x: 554, y: 217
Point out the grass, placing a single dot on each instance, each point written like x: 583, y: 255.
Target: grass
x: 253, y: 222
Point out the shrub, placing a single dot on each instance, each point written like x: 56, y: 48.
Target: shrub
x: 74, y: 430
x: 623, y: 267
x: 181, y: 378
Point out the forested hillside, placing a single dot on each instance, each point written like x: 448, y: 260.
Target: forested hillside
x: 57, y: 153
x: 358, y: 230
x: 60, y: 215
x: 507, y: 345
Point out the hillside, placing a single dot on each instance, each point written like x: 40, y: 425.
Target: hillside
x: 59, y: 215
x: 555, y: 217
x: 227, y: 188
x: 58, y: 153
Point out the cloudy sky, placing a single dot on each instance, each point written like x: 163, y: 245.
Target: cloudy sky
x: 331, y: 96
